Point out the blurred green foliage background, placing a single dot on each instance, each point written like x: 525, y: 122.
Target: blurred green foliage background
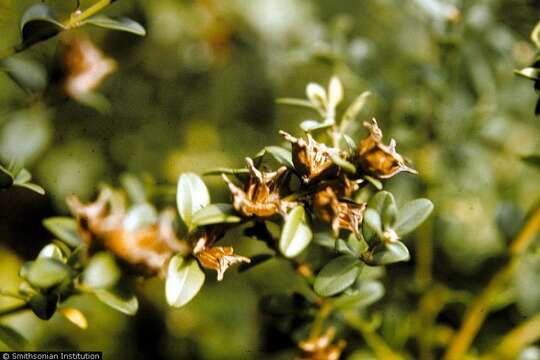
x: 199, y: 92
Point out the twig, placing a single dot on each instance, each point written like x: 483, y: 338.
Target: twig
x: 374, y: 341
x: 526, y: 333
x: 13, y: 310
x: 78, y: 16
x: 478, y: 310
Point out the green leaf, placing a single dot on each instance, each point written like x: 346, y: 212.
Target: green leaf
x: 23, y: 176
x: 372, y: 225
x: 47, y: 272
x: 312, y: 125
x: 184, y: 280
x: 390, y: 253
x: 343, y: 248
x: 44, y: 306
x: 325, y: 239
x: 255, y: 260
x: 38, y: 23
x: 532, y: 160
x: 384, y: 203
x: 119, y: 298
x: 337, y: 275
x: 65, y: 229
x: 119, y: 23
x: 140, y: 216
x: 296, y: 234
x: 531, y: 73
x: 363, y: 295
x: 12, y: 339
x: 191, y: 196
x: 134, y: 187
x: 215, y: 214
x: 30, y: 75
x: 101, y: 271
x: 282, y: 155
x: 342, y: 163
x: 296, y: 102
x: 34, y: 187
x: 411, y: 215
x: 375, y: 182
x: 51, y: 251
x: 354, y: 109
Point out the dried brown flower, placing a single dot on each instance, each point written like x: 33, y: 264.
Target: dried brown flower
x: 85, y: 66
x: 342, y: 214
x: 321, y: 348
x: 377, y: 159
x: 312, y: 159
x: 217, y: 258
x: 101, y: 223
x: 261, y: 196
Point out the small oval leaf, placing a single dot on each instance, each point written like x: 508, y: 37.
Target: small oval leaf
x: 65, y: 229
x: 101, y: 271
x: 119, y: 298
x: 191, y: 196
x: 282, y: 155
x: 390, y: 253
x: 121, y: 23
x: 296, y: 234
x: 363, y: 295
x: 47, y: 272
x: 38, y: 23
x: 184, y: 280
x: 411, y: 215
x: 215, y: 214
x: 337, y: 275
x: 51, y: 251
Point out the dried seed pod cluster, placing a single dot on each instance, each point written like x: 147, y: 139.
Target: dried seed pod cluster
x: 318, y: 190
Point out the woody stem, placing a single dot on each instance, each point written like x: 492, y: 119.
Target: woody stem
x: 478, y: 310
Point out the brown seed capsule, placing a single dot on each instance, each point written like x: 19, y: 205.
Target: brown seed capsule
x: 377, y: 159
x: 217, y: 258
x: 313, y: 160
x: 85, y: 65
x: 260, y: 196
x: 342, y: 214
x: 322, y: 348
x: 102, y: 225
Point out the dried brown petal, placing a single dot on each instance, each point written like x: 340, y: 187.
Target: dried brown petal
x: 85, y: 66
x: 102, y: 225
x: 260, y: 197
x: 377, y: 159
x: 342, y: 214
x: 311, y: 158
x: 219, y: 258
x: 321, y: 348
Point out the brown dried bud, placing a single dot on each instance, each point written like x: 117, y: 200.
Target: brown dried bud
x: 102, y: 224
x: 377, y: 159
x: 321, y: 348
x: 217, y: 258
x: 342, y: 214
x: 261, y: 196
x: 85, y: 66
x: 313, y: 160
